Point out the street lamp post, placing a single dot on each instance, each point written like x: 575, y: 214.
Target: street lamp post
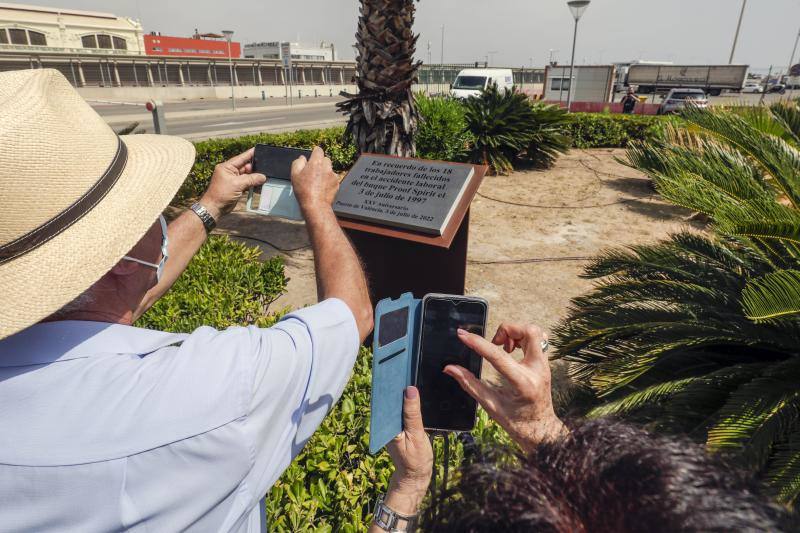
x: 738, y: 28
x: 577, y: 7
x: 791, y: 64
x: 228, y: 36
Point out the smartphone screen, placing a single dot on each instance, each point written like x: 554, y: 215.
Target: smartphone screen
x: 275, y: 162
x: 445, y: 406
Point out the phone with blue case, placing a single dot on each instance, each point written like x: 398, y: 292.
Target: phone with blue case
x: 393, y: 366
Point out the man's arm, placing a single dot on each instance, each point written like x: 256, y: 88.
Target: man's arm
x: 338, y: 270
x: 186, y: 234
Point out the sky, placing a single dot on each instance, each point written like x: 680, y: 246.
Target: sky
x: 509, y: 32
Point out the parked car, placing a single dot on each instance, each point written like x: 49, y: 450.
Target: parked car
x: 777, y: 88
x: 753, y: 87
x: 677, y: 99
x: 471, y: 81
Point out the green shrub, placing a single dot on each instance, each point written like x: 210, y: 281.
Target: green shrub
x: 601, y: 130
x: 700, y: 334
x: 442, y: 131
x: 214, y: 151
x: 547, y: 135
x: 502, y: 123
x: 225, y: 284
x: 333, y: 484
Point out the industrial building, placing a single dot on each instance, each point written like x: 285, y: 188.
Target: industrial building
x: 298, y: 51
x: 206, y: 45
x: 27, y: 28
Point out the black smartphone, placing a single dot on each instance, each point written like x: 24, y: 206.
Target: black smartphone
x: 275, y: 162
x: 445, y: 406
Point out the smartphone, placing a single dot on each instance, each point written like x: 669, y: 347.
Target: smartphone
x: 276, y: 197
x: 275, y: 162
x: 445, y: 406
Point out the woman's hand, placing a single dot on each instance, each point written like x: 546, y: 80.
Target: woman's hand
x: 523, y: 404
x: 412, y: 456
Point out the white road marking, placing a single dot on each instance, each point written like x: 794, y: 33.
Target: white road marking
x: 244, y: 122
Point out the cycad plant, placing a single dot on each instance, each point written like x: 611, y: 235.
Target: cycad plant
x: 701, y: 334
x: 505, y: 123
x: 383, y: 116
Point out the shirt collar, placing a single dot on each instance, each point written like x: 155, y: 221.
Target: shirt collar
x: 48, y: 342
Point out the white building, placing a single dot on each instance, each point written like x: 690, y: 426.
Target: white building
x: 30, y: 28
x: 299, y: 52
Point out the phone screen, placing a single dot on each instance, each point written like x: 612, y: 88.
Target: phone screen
x: 275, y: 161
x: 445, y: 405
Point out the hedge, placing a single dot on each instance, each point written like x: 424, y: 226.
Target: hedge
x: 214, y: 151
x: 334, y: 482
x: 226, y: 284
x: 436, y: 140
x: 603, y: 130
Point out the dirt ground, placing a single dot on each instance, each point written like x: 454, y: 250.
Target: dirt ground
x: 530, y: 237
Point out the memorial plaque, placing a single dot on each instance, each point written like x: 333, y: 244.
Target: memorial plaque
x: 408, y: 193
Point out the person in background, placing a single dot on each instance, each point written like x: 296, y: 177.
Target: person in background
x: 629, y: 101
x: 597, y: 475
x: 109, y: 427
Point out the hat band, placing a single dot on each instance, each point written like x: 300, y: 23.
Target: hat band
x: 37, y: 237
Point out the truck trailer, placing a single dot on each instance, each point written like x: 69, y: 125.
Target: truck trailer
x: 713, y: 79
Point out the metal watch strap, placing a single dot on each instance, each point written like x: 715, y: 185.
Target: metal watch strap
x: 389, y: 520
x: 208, y: 221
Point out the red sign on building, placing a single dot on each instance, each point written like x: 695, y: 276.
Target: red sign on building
x: 161, y: 45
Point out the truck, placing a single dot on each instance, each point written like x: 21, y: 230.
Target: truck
x: 713, y: 79
x: 621, y: 75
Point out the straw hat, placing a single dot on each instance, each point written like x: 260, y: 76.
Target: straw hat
x: 74, y: 196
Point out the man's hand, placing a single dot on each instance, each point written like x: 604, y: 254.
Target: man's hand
x: 314, y: 181
x: 523, y: 405
x: 412, y: 455
x: 228, y: 184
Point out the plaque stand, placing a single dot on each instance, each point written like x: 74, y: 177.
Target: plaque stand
x: 398, y: 260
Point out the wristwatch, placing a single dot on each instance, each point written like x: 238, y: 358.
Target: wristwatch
x: 389, y: 520
x: 208, y: 221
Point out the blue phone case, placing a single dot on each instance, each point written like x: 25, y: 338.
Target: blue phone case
x: 392, y: 371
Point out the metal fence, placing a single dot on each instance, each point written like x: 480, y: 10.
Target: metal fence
x: 84, y: 70
x: 439, y: 76
x: 95, y: 70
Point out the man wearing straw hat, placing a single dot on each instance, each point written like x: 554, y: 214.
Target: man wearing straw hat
x: 104, y: 426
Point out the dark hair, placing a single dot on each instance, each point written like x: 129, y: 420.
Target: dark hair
x: 609, y: 477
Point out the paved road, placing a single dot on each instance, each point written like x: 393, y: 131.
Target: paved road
x: 111, y: 110
x: 202, y: 120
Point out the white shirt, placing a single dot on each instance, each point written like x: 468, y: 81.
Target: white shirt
x: 106, y: 427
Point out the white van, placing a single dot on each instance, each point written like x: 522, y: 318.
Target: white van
x: 471, y: 81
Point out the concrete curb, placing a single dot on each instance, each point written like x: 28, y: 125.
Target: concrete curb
x: 145, y: 115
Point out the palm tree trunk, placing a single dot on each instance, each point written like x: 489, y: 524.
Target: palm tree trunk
x: 383, y: 115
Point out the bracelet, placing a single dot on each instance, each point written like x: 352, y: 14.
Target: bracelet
x: 389, y: 520
x: 208, y: 221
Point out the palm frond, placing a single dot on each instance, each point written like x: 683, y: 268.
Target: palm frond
x: 654, y: 394
x: 773, y: 296
x: 789, y: 113
x: 778, y: 158
x: 783, y: 471
x: 759, y: 413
